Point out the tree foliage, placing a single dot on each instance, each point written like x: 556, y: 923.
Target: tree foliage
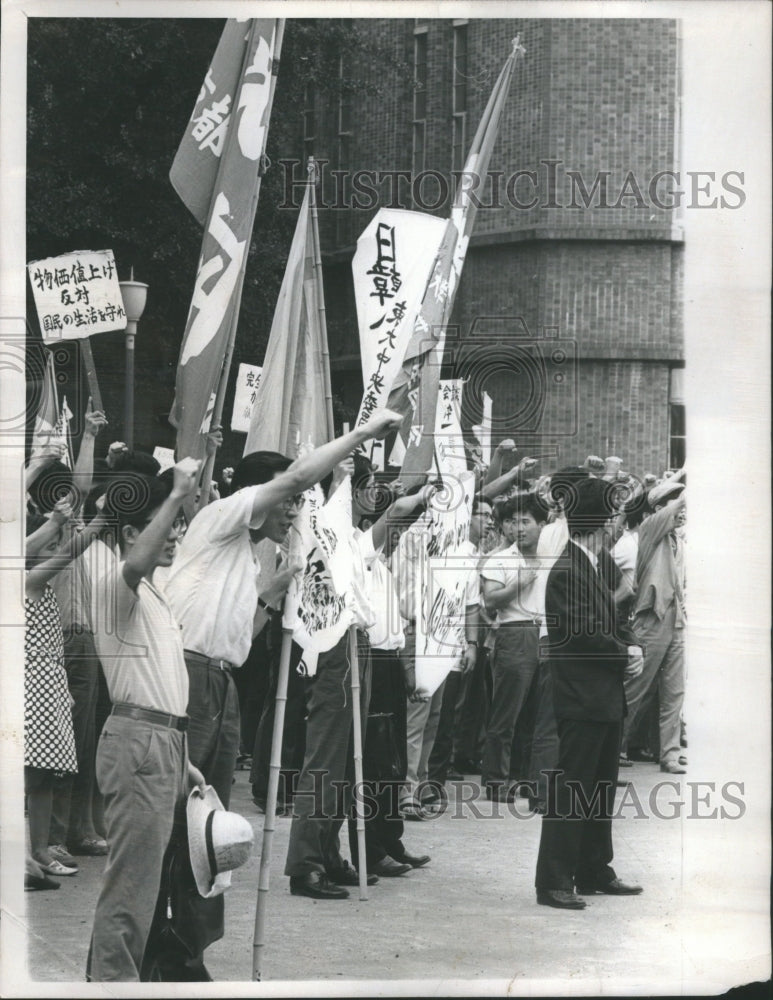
x: 108, y: 102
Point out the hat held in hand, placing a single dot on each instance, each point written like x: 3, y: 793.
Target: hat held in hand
x: 218, y: 841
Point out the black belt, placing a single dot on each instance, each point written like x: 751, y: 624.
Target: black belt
x: 151, y: 715
x: 521, y: 623
x: 209, y: 661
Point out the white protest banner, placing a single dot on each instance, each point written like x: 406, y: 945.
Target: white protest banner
x: 77, y: 295
x: 450, y: 453
x: 164, y: 457
x: 391, y: 268
x: 317, y: 606
x: 440, y: 603
x: 482, y: 431
x: 247, y: 382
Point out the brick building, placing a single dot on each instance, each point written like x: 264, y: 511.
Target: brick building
x: 570, y: 302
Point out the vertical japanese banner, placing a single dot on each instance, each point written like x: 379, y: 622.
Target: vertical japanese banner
x: 317, y: 607
x: 450, y: 453
x: 440, y: 604
x: 245, y: 394
x: 391, y: 268
x: 217, y: 174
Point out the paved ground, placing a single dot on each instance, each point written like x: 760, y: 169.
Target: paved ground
x: 470, y: 915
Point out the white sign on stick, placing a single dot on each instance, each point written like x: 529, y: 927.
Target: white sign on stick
x: 247, y: 382
x: 77, y: 295
x: 164, y: 457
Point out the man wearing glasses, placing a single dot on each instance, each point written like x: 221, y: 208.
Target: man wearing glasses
x: 213, y: 591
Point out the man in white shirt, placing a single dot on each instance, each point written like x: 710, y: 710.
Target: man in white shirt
x: 213, y: 591
x: 513, y: 586
x: 142, y: 765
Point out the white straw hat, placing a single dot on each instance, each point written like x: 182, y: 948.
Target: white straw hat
x: 218, y: 841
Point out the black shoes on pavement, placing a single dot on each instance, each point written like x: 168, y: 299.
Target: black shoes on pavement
x: 414, y: 860
x: 389, y: 868
x: 561, y: 899
x: 348, y: 876
x: 316, y: 886
x: 613, y: 888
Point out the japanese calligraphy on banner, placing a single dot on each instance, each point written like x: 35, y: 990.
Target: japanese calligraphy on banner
x: 440, y: 604
x: 77, y: 295
x: 247, y: 382
x: 391, y: 268
x: 450, y: 453
x: 317, y: 607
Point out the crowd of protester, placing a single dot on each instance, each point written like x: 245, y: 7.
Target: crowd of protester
x: 152, y: 651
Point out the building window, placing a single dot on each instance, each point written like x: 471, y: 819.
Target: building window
x: 677, y: 429
x: 419, y: 141
x: 459, y: 99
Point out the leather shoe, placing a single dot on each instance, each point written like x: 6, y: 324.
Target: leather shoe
x: 414, y: 860
x: 316, y: 886
x: 560, y: 898
x: 613, y: 888
x: 642, y: 755
x: 673, y: 767
x: 388, y: 868
x: 348, y: 876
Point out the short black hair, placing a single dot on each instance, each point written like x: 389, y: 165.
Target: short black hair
x: 592, y: 505
x: 259, y: 467
x: 137, y: 461
x: 635, y: 510
x: 526, y: 503
x: 563, y: 484
x: 131, y: 498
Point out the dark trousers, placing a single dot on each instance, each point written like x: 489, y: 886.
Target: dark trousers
x: 446, y: 739
x: 514, y: 665
x: 474, y: 717
x: 544, y: 744
x: 383, y: 826
x: 576, y: 839
x: 213, y: 745
x: 252, y: 684
x: 71, y: 809
x: 293, y: 736
x: 321, y: 800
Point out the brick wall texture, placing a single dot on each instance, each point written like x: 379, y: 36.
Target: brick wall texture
x: 590, y: 96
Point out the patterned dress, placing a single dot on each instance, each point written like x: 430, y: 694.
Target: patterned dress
x: 48, y: 735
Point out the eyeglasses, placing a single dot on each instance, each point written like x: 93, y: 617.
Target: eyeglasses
x: 295, y: 502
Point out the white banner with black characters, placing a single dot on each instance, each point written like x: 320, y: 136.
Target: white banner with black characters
x: 245, y: 393
x: 317, y: 608
x: 440, y: 603
x: 391, y: 268
x: 77, y: 295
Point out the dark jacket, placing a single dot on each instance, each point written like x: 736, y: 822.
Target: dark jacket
x: 588, y: 653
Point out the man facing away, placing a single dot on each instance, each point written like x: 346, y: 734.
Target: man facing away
x: 588, y: 662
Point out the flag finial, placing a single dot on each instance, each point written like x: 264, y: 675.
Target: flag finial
x: 518, y: 49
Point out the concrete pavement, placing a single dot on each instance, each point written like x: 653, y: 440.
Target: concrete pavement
x: 470, y: 915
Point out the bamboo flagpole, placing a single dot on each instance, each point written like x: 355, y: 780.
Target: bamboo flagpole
x: 259, y: 941
x: 354, y: 663
x: 312, y: 171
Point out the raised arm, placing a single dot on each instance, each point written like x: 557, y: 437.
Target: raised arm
x: 495, y: 466
x: 83, y: 470
x: 311, y: 468
x: 78, y: 542
x: 495, y: 487
x: 399, y: 516
x: 143, y: 555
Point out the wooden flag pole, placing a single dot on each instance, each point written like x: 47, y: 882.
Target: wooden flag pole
x: 91, y: 373
x: 259, y: 941
x: 354, y: 664
x: 320, y: 291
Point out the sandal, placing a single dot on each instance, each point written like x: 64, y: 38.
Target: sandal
x: 57, y: 868
x: 411, y: 810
